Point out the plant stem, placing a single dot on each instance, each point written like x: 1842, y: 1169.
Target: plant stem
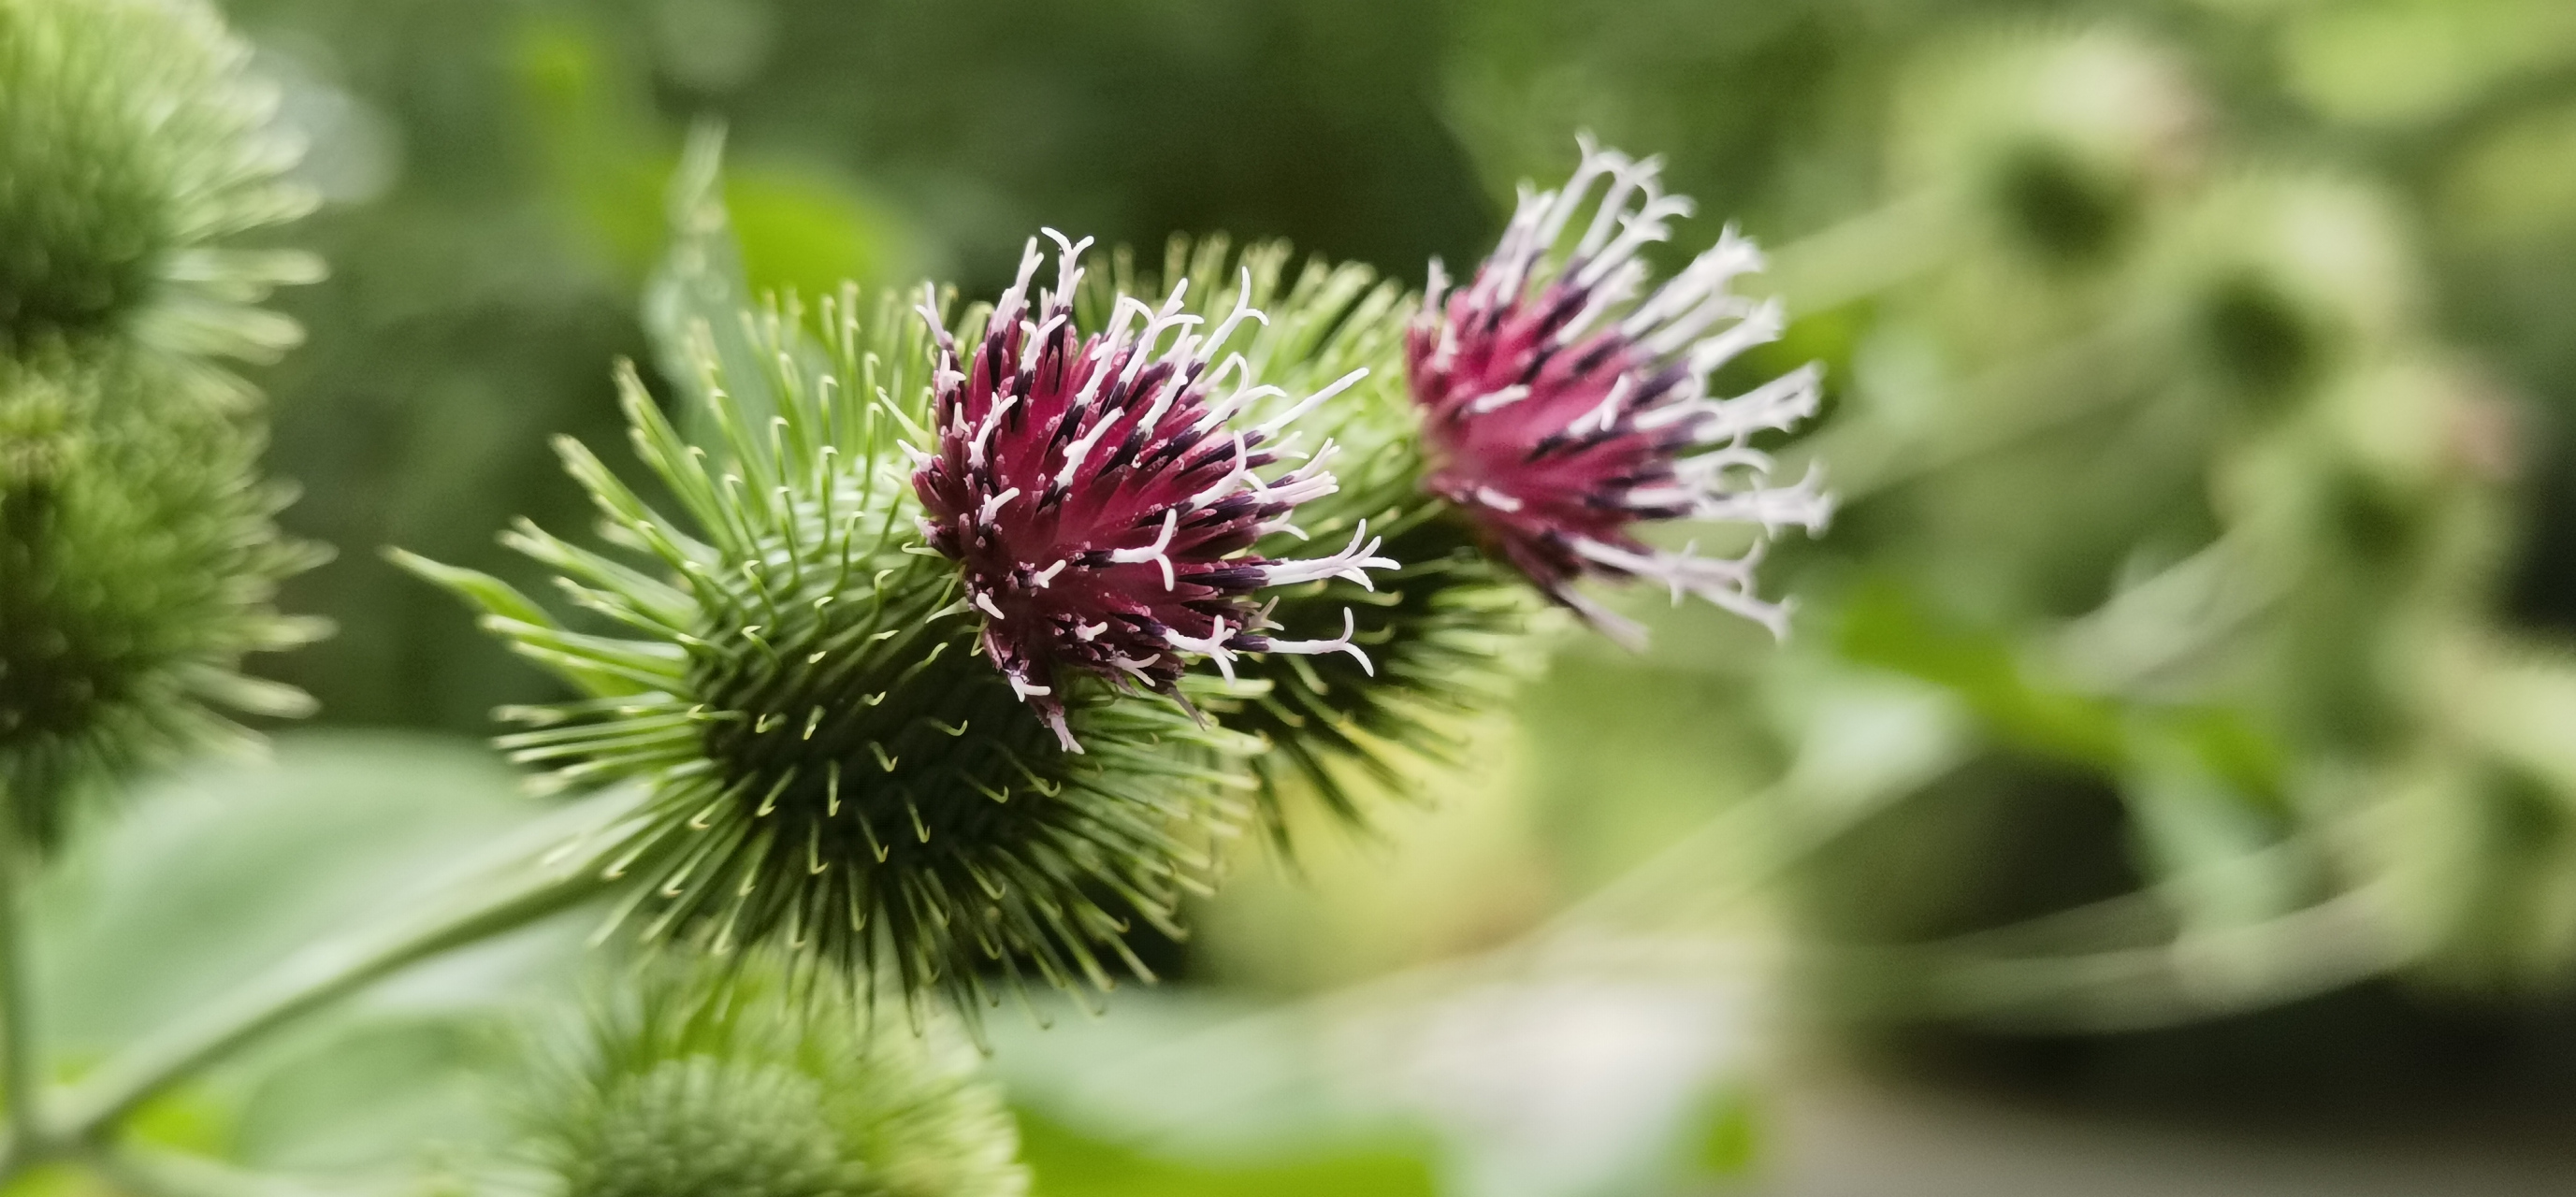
x: 19, y: 1075
x: 1867, y: 253
x: 517, y: 886
x: 147, y: 1172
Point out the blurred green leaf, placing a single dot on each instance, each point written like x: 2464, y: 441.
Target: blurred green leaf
x: 373, y: 1092
x: 799, y: 227
x: 221, y: 870
x: 2396, y: 62
x: 1885, y: 627
x: 218, y: 870
x: 1730, y: 1139
x: 699, y: 290
x: 1069, y: 1164
x: 2211, y: 838
x: 806, y: 231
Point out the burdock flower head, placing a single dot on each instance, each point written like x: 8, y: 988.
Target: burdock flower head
x: 1564, y: 404
x: 1101, y: 503
x: 1444, y: 632
x: 795, y: 679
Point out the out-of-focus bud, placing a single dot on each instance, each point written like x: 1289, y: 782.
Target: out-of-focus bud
x: 2282, y: 280
x: 2060, y: 137
x: 749, y: 1081
x: 133, y: 143
x: 137, y: 564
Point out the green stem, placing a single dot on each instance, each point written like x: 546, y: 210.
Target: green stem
x: 512, y: 890
x: 147, y: 1172
x: 1867, y: 253
x: 19, y: 1075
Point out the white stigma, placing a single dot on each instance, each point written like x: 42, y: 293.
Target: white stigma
x: 1338, y: 644
x: 1352, y: 563
x: 1154, y: 552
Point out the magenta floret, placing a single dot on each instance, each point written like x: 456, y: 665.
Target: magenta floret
x: 1561, y: 410
x: 1098, y: 499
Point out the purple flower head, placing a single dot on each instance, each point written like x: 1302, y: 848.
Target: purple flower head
x: 1561, y: 410
x: 1101, y: 506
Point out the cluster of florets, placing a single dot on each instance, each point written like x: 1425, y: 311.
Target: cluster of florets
x: 1561, y: 410
x: 1099, y: 502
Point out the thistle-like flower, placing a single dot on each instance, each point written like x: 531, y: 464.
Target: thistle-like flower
x: 1444, y: 631
x: 748, y: 1081
x: 133, y: 142
x: 1099, y: 500
x: 137, y: 565
x: 1561, y: 410
x: 793, y: 675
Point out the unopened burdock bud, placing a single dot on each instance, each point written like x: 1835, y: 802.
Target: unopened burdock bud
x: 2287, y: 278
x: 137, y: 566
x: 2060, y: 138
x: 751, y: 1080
x: 134, y: 144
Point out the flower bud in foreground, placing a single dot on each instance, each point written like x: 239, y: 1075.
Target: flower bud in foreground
x: 1101, y: 498
x: 751, y: 1082
x: 1562, y: 410
x: 795, y: 676
x: 133, y: 140
x: 1446, y: 631
x: 137, y: 564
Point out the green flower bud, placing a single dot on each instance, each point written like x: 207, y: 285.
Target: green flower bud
x: 137, y: 564
x: 2286, y: 279
x: 747, y: 1083
x: 795, y: 675
x: 133, y: 140
x: 2060, y: 135
x: 1446, y: 633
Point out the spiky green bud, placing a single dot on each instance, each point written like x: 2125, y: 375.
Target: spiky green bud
x: 750, y: 1083
x: 137, y: 565
x: 1447, y: 631
x: 133, y: 141
x: 794, y: 674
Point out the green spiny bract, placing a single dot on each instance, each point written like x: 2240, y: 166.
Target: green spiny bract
x: 1444, y: 630
x: 834, y: 768
x: 132, y: 141
x: 756, y: 1082
x: 137, y: 564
